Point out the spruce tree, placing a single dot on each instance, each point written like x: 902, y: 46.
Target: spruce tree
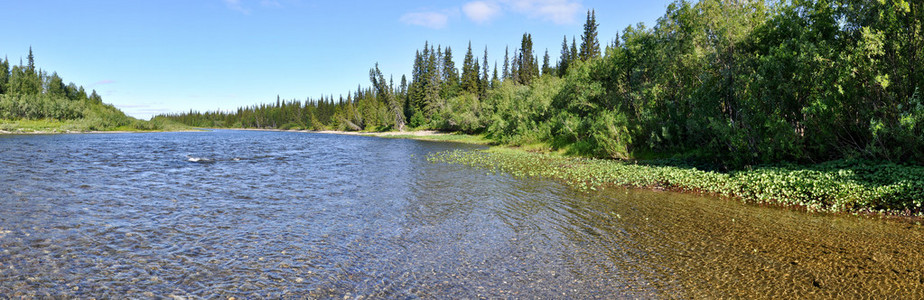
x: 484, y: 74
x: 507, y: 63
x: 590, y: 46
x: 416, y: 88
x: 4, y: 75
x: 450, y: 76
x: 478, y: 83
x: 439, y: 62
x: 405, y: 97
x: 546, y: 69
x: 450, y: 73
x: 528, y: 67
x: 384, y: 94
x: 565, y: 59
x: 515, y: 66
x: 31, y: 67
x: 431, y: 96
x: 494, y: 79
x: 469, y: 72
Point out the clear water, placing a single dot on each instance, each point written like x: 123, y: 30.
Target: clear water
x: 283, y: 214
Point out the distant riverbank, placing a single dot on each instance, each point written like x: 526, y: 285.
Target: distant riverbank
x: 424, y: 135
x: 53, y: 126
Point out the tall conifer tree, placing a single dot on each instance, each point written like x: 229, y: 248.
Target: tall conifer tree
x: 565, y: 59
x: 546, y: 69
x: 484, y: 73
x: 506, y: 63
x: 469, y: 72
x: 590, y: 45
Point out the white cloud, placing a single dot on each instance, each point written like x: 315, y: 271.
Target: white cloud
x: 481, y: 11
x: 236, y: 5
x: 433, y: 20
x: 557, y: 11
x: 484, y: 11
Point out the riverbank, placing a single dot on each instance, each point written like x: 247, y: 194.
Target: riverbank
x: 47, y: 126
x: 423, y: 135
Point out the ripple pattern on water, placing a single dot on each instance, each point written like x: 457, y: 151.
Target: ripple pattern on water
x: 281, y: 214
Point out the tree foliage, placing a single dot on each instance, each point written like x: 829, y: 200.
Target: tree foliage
x: 28, y: 93
x: 590, y: 44
x: 735, y: 83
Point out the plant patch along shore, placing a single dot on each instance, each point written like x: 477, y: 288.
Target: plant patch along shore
x: 838, y: 187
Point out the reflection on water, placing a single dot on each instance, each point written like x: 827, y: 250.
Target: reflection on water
x: 270, y: 214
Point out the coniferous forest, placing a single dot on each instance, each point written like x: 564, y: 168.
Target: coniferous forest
x: 735, y: 82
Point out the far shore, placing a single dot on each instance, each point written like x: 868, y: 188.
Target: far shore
x: 7, y: 132
x: 65, y: 132
x: 422, y: 135
x: 418, y: 133
x: 365, y: 133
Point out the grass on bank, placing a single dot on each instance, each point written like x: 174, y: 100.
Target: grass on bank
x: 446, y: 137
x: 840, y: 186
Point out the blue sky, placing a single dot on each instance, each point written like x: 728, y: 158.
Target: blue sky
x: 150, y: 57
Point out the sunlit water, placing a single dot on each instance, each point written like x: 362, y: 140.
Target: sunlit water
x: 285, y: 214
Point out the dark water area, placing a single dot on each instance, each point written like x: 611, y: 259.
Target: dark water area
x: 255, y: 214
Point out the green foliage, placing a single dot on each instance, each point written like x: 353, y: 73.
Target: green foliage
x: 526, y: 64
x: 470, y: 71
x: 590, y: 45
x: 730, y: 83
x: 520, y: 113
x: 461, y: 113
x: 40, y: 106
x: 31, y: 100
x: 418, y: 120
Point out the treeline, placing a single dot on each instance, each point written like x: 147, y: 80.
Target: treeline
x: 733, y: 82
x: 31, y: 94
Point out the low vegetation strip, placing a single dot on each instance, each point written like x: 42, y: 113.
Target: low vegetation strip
x: 841, y: 186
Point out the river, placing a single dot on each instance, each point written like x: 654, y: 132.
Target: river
x: 252, y: 214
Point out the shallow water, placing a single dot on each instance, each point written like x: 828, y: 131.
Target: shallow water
x: 282, y: 214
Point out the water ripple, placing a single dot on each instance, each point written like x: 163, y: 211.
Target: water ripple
x: 269, y: 215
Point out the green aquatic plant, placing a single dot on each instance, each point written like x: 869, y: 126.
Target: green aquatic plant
x: 841, y: 186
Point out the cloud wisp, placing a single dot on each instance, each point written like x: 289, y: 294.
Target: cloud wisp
x: 481, y: 12
x: 102, y: 82
x: 236, y: 5
x: 485, y: 11
x: 435, y: 20
x: 556, y: 11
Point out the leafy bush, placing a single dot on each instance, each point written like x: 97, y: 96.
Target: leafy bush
x: 521, y: 113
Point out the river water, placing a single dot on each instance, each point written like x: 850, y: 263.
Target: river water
x: 253, y: 214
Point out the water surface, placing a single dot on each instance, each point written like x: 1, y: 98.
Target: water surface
x: 284, y: 214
